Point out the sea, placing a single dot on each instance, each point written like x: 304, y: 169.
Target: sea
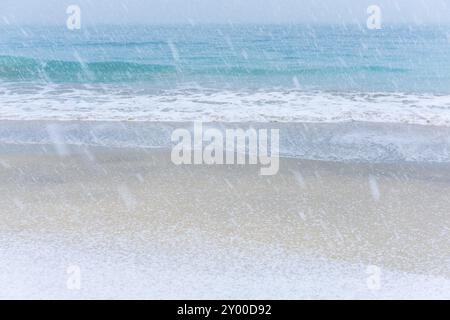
x: 226, y: 73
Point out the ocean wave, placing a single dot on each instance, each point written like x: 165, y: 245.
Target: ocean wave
x: 13, y: 68
x: 117, y: 102
x: 292, y: 71
x: 26, y: 69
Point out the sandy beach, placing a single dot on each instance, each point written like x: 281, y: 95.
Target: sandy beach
x: 138, y: 226
x: 224, y: 150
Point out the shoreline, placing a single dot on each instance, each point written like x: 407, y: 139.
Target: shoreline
x: 347, y: 142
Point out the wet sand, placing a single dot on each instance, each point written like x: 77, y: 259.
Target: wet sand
x: 139, y: 226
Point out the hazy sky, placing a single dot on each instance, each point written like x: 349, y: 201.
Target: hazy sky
x: 223, y: 11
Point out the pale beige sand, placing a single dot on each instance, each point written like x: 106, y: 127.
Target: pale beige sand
x: 392, y: 216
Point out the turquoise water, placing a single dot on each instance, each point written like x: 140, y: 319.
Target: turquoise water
x: 226, y: 73
x: 323, y: 57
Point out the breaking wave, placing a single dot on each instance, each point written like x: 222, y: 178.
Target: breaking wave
x: 134, y: 103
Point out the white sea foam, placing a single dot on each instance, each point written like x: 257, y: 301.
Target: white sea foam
x: 60, y: 102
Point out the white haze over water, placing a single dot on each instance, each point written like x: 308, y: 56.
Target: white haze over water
x: 29, y: 12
